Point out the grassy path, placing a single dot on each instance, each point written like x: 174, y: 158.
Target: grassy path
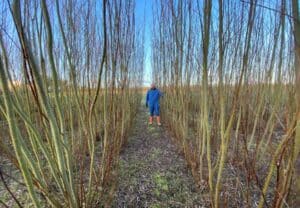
x: 152, y: 173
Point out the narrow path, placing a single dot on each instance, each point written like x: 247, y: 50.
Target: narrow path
x: 152, y: 172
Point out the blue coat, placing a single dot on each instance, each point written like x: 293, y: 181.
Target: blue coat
x: 152, y: 98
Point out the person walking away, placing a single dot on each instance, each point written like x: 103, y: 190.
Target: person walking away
x: 152, y: 102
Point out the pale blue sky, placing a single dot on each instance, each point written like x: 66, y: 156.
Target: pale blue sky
x: 144, y: 9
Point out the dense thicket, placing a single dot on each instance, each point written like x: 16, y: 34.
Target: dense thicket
x: 69, y: 72
x: 230, y: 72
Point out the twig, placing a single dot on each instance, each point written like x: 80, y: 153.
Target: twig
x: 8, y: 189
x: 5, y: 205
x: 13, y: 178
x: 272, y: 9
x: 9, y: 36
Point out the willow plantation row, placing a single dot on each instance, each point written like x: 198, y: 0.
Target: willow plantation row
x: 230, y: 70
x: 230, y: 75
x: 71, y: 114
